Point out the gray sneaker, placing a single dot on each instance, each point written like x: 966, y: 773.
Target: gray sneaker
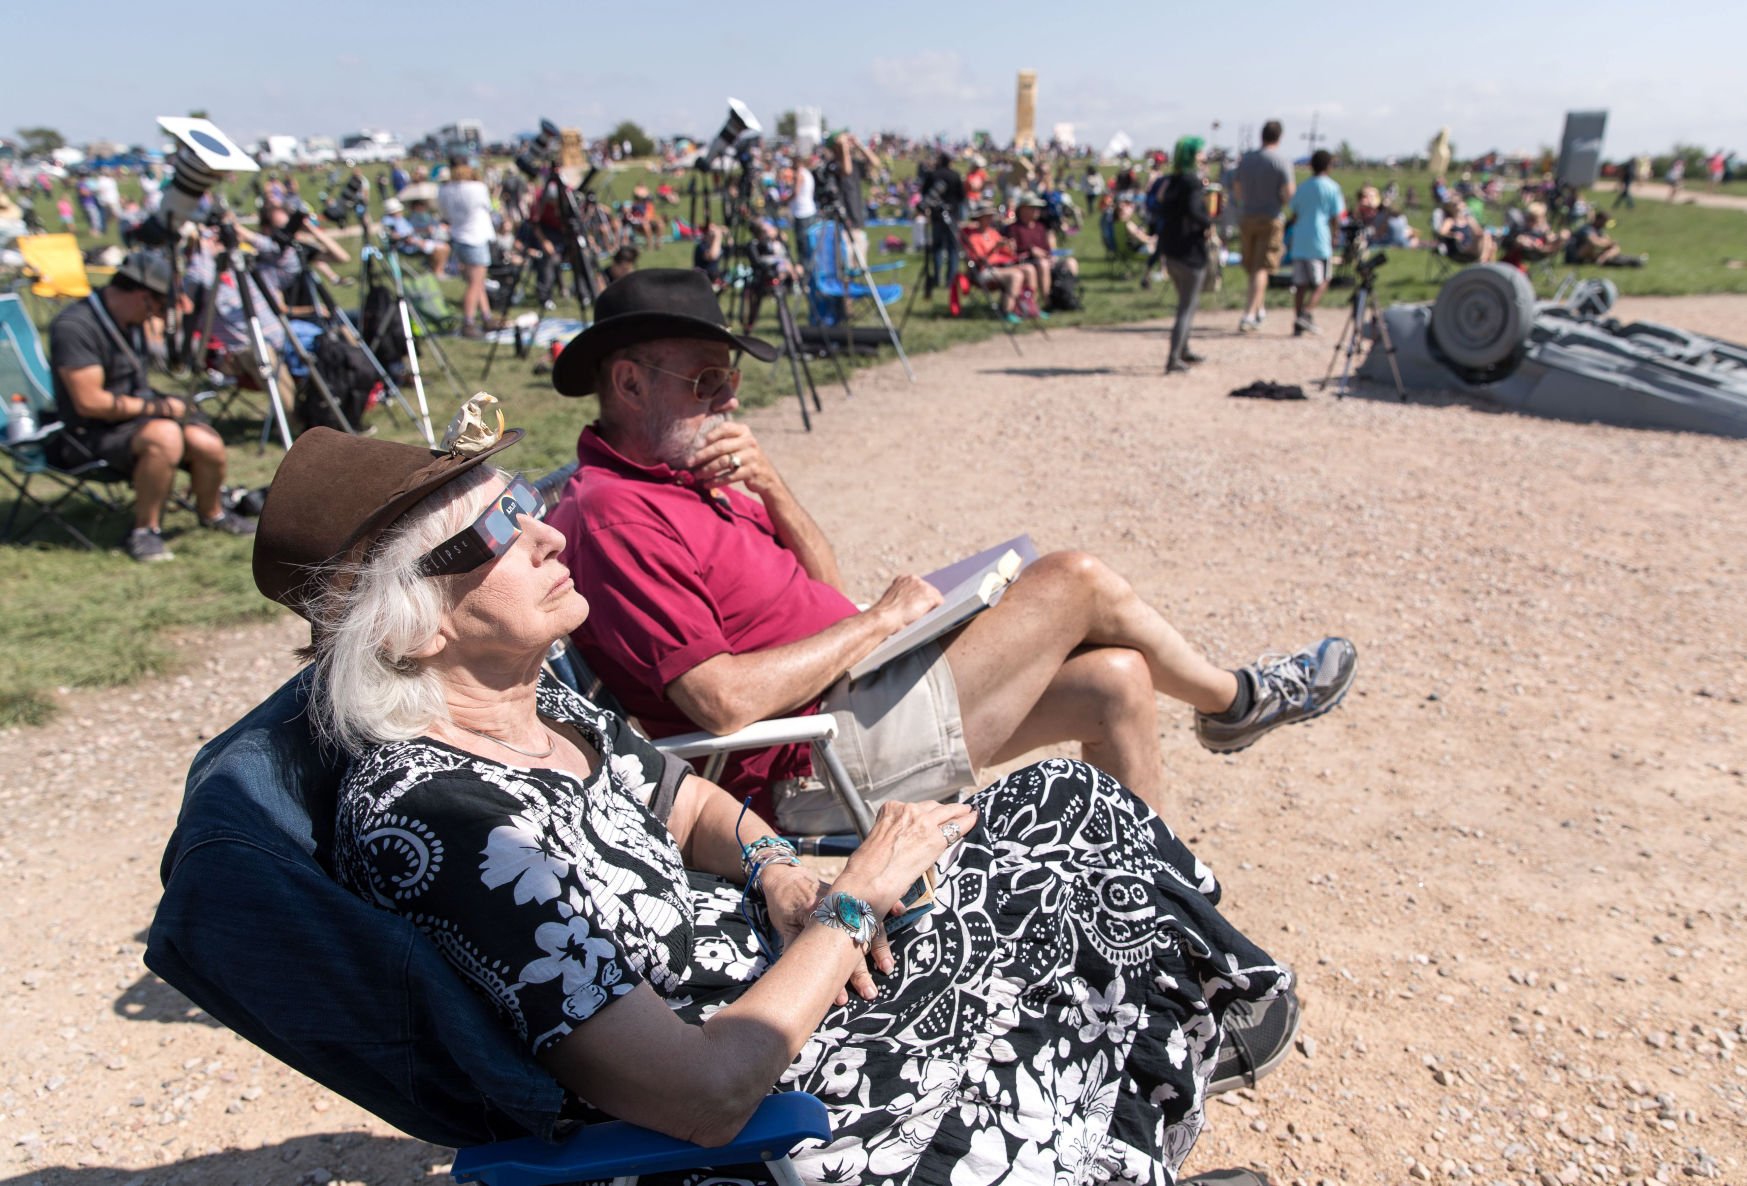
x: 1288, y: 689
x: 1257, y: 1039
x: 147, y: 546
x: 230, y: 523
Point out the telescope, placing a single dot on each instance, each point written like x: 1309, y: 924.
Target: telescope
x: 740, y: 128
x: 204, y: 153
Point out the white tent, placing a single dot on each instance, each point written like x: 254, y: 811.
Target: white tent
x: 1120, y: 145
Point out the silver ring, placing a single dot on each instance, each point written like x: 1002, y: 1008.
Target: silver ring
x: 950, y: 830
x: 733, y: 462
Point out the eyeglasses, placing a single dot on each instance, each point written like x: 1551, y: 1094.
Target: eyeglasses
x: 488, y: 536
x: 708, y: 385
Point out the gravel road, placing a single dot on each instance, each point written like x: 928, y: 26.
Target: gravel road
x: 1512, y: 869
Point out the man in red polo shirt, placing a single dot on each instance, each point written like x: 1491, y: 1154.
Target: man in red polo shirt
x: 712, y: 609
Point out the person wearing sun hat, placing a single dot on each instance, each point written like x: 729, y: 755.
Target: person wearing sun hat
x: 716, y: 600
x: 623, y: 915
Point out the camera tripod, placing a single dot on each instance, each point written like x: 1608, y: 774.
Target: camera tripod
x: 574, y: 249
x: 241, y: 270
x: 1364, y: 318
x: 846, y: 235
x: 329, y: 310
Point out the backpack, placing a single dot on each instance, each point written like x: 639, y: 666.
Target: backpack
x: 379, y: 323
x: 1064, y: 290
x: 349, y: 376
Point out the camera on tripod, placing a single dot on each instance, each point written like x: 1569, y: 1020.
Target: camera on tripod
x: 541, y: 151
x: 1366, y: 267
x: 351, y: 201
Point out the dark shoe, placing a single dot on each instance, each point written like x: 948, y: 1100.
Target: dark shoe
x: 1233, y: 1177
x: 147, y: 546
x: 1257, y: 1039
x: 1176, y: 368
x: 230, y: 523
x: 1190, y: 357
x: 1288, y: 689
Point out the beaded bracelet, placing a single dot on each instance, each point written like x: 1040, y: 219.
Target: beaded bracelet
x: 767, y: 850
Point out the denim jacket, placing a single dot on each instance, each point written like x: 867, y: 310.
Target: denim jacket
x: 254, y: 930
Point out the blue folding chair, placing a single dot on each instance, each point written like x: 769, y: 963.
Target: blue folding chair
x: 253, y: 929
x: 39, y: 456
x: 834, y: 280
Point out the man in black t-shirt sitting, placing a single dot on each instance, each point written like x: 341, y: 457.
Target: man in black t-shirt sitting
x: 109, y: 412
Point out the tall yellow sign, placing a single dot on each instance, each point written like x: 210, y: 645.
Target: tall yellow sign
x: 1025, y: 111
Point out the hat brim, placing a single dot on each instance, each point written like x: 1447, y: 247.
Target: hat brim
x: 293, y: 584
x: 575, y: 371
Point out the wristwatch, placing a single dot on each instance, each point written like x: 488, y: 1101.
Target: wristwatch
x: 848, y: 913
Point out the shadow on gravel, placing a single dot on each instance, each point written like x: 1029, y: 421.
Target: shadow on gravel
x: 150, y: 999
x: 1048, y: 372
x: 310, y: 1159
x: 1155, y: 330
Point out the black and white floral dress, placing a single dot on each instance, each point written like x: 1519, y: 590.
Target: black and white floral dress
x: 1054, y: 1019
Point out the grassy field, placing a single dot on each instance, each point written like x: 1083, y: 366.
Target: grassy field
x: 76, y: 619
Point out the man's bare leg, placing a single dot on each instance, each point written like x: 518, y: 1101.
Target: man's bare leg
x: 1258, y: 294
x: 157, y: 451
x: 1103, y: 698
x: 1007, y: 659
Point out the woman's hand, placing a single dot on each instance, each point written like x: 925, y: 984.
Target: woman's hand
x: 906, y: 839
x: 790, y: 894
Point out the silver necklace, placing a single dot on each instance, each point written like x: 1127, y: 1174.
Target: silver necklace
x: 551, y: 742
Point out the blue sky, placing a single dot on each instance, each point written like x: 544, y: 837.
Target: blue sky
x: 1153, y: 70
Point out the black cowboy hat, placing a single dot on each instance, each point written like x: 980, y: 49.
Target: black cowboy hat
x: 648, y: 306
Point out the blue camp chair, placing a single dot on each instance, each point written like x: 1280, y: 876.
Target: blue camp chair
x: 36, y: 458
x: 253, y: 929
x: 832, y: 277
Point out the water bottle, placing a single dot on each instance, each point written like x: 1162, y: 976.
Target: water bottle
x: 20, y: 420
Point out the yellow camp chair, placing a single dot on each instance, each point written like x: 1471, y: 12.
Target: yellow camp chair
x: 55, y: 266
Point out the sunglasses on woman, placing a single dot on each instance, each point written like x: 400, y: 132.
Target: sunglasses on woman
x: 488, y: 536
x: 708, y: 385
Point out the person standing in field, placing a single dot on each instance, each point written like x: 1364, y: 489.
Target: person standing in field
x: 1318, y: 208
x: 1261, y: 185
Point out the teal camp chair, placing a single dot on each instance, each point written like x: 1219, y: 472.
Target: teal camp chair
x: 31, y: 461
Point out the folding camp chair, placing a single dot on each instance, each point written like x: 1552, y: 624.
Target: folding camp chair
x: 1119, y: 247
x: 833, y: 278
x: 32, y: 459
x: 253, y: 929
x: 818, y: 731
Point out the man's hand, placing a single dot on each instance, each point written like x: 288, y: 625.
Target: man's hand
x: 790, y: 894
x: 732, y: 454
x: 170, y: 407
x: 905, y: 600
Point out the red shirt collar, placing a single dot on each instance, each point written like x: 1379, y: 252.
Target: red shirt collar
x: 592, y: 450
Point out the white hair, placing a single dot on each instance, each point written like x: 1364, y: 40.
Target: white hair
x: 373, y: 614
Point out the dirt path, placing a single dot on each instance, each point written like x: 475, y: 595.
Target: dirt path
x: 1690, y: 195
x: 1512, y: 870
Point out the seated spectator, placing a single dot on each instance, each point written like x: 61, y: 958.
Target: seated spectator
x: 1383, y: 225
x: 771, y: 267
x: 1464, y: 239
x: 108, y: 411
x: 231, y: 349
x: 410, y: 238
x: 1035, y: 243
x: 1590, y: 244
x: 712, y: 608
x: 643, y: 218
x: 1535, y: 240
x: 994, y: 262
x: 279, y: 263
x: 624, y: 263
x: 662, y: 952
x: 1130, y: 220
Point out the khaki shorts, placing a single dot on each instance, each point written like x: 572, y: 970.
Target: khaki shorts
x: 1263, y: 243
x: 900, y: 737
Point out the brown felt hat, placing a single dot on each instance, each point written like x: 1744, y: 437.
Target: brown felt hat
x: 334, y: 495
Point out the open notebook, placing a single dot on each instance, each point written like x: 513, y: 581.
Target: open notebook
x: 967, y: 587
